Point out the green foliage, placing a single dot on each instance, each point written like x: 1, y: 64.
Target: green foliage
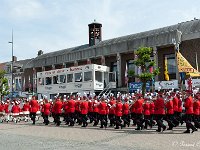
x: 3, y: 84
x: 143, y: 60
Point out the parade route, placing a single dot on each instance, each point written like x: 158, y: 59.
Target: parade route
x: 25, y: 136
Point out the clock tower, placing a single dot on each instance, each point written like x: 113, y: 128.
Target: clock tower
x: 94, y: 33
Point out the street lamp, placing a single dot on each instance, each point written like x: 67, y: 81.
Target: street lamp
x: 12, y: 68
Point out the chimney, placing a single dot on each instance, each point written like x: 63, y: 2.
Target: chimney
x: 94, y: 33
x: 40, y: 52
x: 14, y: 58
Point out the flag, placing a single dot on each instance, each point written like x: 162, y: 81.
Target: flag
x: 166, y: 70
x: 126, y: 75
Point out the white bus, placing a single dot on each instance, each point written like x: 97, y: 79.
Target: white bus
x: 91, y: 78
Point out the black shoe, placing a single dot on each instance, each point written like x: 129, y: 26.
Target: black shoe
x: 187, y: 131
x: 116, y: 127
x: 137, y: 129
x: 101, y: 127
x: 158, y: 130
x: 83, y: 126
x: 195, y: 129
x: 169, y: 128
x: 164, y: 128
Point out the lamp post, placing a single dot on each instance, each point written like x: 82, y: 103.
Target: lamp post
x: 12, y: 68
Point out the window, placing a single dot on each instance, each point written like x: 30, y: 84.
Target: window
x: 55, y: 79
x: 171, y: 65
x: 114, y: 67
x: 112, y: 77
x: 88, y: 76
x: 78, y: 77
x: 41, y: 81
x: 62, y: 78
x: 98, y: 76
x: 131, y: 65
x: 48, y: 80
x: 69, y: 78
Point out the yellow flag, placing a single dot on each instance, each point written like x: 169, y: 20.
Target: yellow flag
x: 185, y: 66
x: 166, y: 70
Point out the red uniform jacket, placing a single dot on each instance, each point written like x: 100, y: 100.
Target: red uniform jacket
x: 65, y: 107
x: 6, y: 107
x: 84, y: 107
x: 26, y: 107
x: 175, y: 104
x: 71, y: 106
x: 152, y: 108
x: 95, y: 107
x: 133, y: 108
x: 169, y: 106
x: 118, y: 109
x: 125, y: 108
x: 180, y: 109
x: 139, y: 106
x: 196, y: 106
x: 34, y: 106
x: 112, y: 109
x: 58, y: 107
x: 77, y: 106
x: 189, y: 105
x: 146, y: 108
x: 1, y: 107
x: 47, y: 107
x: 102, y: 108
x: 159, y: 106
x: 15, y: 109
x: 90, y: 106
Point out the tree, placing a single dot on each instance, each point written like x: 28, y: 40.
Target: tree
x: 4, y: 89
x: 143, y: 60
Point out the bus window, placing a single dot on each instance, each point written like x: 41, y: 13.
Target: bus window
x: 88, y: 76
x: 48, y: 80
x: 78, y: 77
x: 69, y: 78
x: 41, y: 81
x: 55, y: 79
x: 62, y: 78
x: 98, y: 76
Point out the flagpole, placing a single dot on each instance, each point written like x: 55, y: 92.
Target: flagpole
x: 197, y: 65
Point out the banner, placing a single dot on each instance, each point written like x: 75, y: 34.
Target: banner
x: 166, y: 70
x: 195, y: 83
x: 184, y: 65
x: 164, y: 85
x: 134, y: 86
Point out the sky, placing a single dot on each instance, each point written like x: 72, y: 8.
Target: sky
x: 52, y: 25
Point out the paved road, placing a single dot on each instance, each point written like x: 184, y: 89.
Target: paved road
x: 24, y: 136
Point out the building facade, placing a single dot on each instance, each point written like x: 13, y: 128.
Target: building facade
x: 117, y: 52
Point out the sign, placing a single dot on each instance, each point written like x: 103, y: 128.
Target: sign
x: 195, y: 83
x: 134, y: 86
x: 166, y: 85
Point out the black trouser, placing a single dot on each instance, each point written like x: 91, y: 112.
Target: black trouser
x: 176, y: 118
x: 159, y: 120
x: 57, y: 119
x: 139, y: 120
x: 133, y: 117
x: 91, y: 116
x: 188, y: 121
x: 32, y: 116
x: 77, y: 117
x: 84, y: 119
x: 126, y: 119
x: 196, y: 121
x: 152, y: 120
x: 96, y: 118
x: 111, y: 117
x: 170, y: 120
x: 104, y: 120
x: 71, y: 119
x: 146, y: 121
x: 46, y: 119
x: 118, y: 122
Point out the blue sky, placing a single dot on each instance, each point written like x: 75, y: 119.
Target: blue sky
x: 51, y: 25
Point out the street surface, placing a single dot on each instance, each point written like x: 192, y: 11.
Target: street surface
x: 25, y: 136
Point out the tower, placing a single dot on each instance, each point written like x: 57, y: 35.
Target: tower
x: 94, y: 33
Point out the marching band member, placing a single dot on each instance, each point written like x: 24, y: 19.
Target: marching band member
x: 84, y: 111
x: 146, y: 111
x: 58, y: 111
x: 33, y: 108
x: 189, y: 112
x: 26, y: 110
x: 111, y: 115
x: 139, y: 112
x: 170, y: 112
x: 196, y: 106
x: 118, y: 113
x: 126, y: 112
x: 47, y: 107
x: 96, y: 111
x: 160, y: 112
x: 6, y: 109
x: 71, y: 110
x: 15, y: 111
x: 1, y: 111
